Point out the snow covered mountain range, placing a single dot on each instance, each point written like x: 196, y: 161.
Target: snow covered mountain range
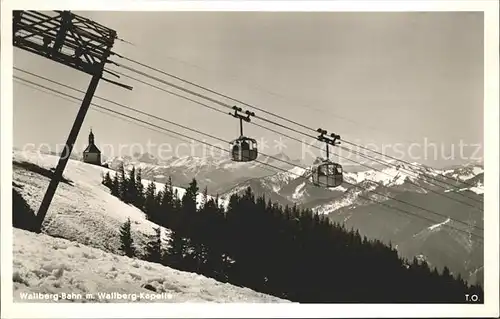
x: 454, y: 192
x: 218, y: 174
x: 374, y: 202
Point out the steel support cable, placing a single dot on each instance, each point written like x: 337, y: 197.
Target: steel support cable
x: 267, y: 112
x: 267, y: 164
x: 72, y: 100
x: 143, y: 113
x: 286, y: 127
x: 202, y: 104
x: 134, y: 122
x: 226, y: 105
x: 186, y: 98
x: 206, y: 89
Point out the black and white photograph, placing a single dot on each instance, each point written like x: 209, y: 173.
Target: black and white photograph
x: 250, y: 155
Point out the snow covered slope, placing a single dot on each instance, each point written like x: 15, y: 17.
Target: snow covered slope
x: 48, y: 267
x: 82, y: 210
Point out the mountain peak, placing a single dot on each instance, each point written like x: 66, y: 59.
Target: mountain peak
x: 145, y: 158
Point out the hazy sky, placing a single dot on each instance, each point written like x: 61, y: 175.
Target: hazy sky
x: 378, y: 78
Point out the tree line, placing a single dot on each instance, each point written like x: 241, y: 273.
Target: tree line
x: 287, y: 252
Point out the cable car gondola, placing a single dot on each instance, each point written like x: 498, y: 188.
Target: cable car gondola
x: 243, y: 149
x: 327, y: 173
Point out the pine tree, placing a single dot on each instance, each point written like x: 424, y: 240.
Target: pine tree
x: 212, y: 229
x: 205, y: 197
x: 150, y: 207
x: 177, y: 222
x: 140, y: 190
x: 191, y: 218
x: 127, y: 243
x: 122, y: 182
x: 176, y: 250
x: 167, y: 204
x: 153, y: 250
x: 189, y: 198
x: 107, y: 180
x: 131, y: 187
x: 115, y: 187
x: 168, y: 193
x: 177, y: 202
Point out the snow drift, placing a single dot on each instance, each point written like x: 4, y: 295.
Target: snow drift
x: 48, y: 269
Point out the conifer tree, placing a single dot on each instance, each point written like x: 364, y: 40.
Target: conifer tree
x: 140, y: 190
x: 107, y: 180
x: 167, y: 204
x: 213, y: 230
x: 204, y: 197
x: 131, y: 187
x: 191, y: 217
x: 176, y: 251
x: 153, y: 250
x: 127, y: 243
x: 168, y: 194
x: 115, y: 187
x: 189, y: 198
x: 177, y: 222
x: 150, y: 207
x: 122, y: 182
x: 177, y: 202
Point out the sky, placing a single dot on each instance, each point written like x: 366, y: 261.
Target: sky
x: 382, y: 80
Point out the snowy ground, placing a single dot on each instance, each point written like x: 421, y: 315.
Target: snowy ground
x: 87, y: 219
x: 48, y: 269
x: 85, y: 211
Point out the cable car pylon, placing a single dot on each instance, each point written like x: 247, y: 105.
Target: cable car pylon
x: 328, y: 173
x: 243, y: 149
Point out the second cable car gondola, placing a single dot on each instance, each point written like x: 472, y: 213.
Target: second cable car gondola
x: 243, y: 149
x: 327, y: 173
